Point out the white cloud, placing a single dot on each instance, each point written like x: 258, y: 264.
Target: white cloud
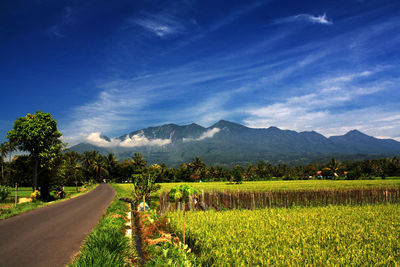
x: 349, y: 77
x: 322, y: 19
x: 141, y: 140
x: 134, y: 141
x: 208, y: 134
x: 96, y: 139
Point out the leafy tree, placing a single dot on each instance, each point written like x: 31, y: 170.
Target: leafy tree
x: 237, y: 174
x: 37, y: 133
x: 144, y: 184
x: 182, y: 193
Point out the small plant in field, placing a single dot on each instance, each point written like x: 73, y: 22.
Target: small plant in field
x: 182, y: 193
x: 4, y: 192
x: 167, y: 254
x: 35, y: 195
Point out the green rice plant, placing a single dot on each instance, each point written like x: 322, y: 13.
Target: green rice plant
x: 324, y: 236
x: 167, y: 254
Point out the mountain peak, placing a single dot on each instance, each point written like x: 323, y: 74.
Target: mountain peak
x: 273, y: 128
x: 228, y: 124
x: 354, y: 133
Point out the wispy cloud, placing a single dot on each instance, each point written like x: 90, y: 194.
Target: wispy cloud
x: 317, y: 85
x: 322, y: 19
x: 323, y: 110
x: 162, y: 25
x: 208, y: 134
x: 68, y: 18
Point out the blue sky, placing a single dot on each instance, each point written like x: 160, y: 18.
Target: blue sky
x: 117, y: 66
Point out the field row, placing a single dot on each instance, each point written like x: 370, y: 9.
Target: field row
x: 288, y: 185
x: 332, y: 235
x: 284, y: 199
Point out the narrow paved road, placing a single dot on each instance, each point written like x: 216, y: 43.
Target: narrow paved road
x: 50, y: 236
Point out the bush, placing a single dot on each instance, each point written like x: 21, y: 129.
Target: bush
x: 35, y: 195
x: 4, y: 192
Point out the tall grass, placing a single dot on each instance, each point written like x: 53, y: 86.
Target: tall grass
x: 107, y: 244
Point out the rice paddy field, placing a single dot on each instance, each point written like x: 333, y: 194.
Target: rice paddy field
x: 333, y: 235
x: 288, y: 185
x: 344, y: 233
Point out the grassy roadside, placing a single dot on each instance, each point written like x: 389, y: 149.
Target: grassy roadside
x: 107, y: 244
x: 25, y: 207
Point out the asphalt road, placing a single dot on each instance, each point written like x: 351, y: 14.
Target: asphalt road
x: 52, y: 235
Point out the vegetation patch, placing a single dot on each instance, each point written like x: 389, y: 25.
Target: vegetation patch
x: 292, y: 185
x: 333, y: 235
x: 162, y: 247
x: 107, y: 244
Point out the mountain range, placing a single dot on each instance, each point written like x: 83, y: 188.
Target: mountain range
x: 227, y: 143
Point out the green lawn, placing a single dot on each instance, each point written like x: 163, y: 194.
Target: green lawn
x: 287, y: 185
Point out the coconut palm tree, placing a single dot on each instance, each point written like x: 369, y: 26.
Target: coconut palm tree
x: 334, y: 166
x: 138, y: 162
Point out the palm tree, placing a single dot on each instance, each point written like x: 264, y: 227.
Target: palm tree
x: 139, y: 163
x: 111, y: 162
x: 73, y: 165
x: 334, y: 166
x: 88, y: 159
x: 99, y: 167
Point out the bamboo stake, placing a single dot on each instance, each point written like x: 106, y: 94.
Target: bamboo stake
x: 183, y: 228
x: 16, y: 194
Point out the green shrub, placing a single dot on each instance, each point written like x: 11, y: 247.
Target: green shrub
x: 4, y: 192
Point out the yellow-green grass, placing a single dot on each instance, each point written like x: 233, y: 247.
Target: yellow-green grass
x: 323, y: 236
x: 287, y: 185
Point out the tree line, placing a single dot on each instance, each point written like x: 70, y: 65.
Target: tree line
x: 48, y: 164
